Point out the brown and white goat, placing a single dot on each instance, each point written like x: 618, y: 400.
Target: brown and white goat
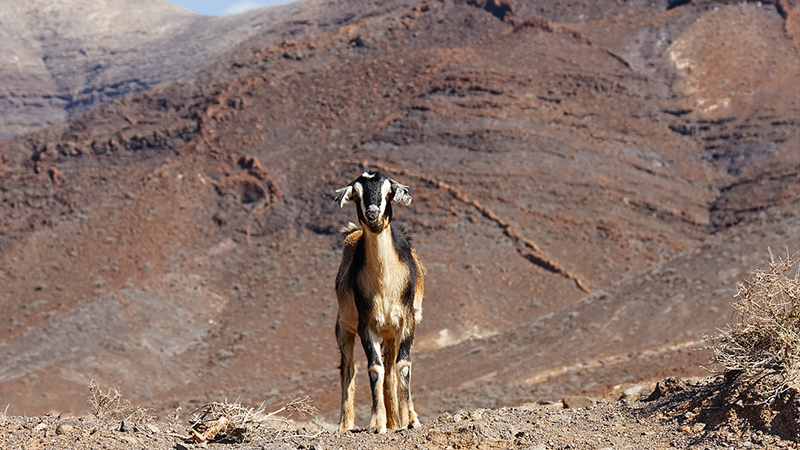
x: 379, y: 288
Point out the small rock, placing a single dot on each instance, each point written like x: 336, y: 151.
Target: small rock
x: 64, y: 429
x: 537, y: 447
x: 476, y: 415
x: 698, y: 427
x: 631, y: 392
x: 667, y: 386
x: 285, y: 446
x: 131, y: 440
x: 577, y: 401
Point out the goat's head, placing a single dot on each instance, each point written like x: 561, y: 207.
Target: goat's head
x: 373, y: 194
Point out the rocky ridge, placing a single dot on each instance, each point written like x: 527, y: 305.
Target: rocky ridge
x: 175, y: 242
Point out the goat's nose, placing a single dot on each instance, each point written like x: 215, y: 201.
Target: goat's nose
x: 373, y: 212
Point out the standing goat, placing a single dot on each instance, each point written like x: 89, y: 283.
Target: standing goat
x: 379, y: 288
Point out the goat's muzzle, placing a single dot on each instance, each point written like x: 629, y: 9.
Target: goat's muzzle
x: 373, y: 214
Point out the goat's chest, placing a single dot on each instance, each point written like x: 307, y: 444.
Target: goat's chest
x: 383, y: 288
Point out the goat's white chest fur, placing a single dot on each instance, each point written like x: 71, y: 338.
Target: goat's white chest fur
x: 384, y: 280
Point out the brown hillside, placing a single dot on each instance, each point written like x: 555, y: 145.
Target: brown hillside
x: 67, y: 57
x: 181, y: 243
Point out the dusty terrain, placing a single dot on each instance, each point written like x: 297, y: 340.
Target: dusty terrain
x: 670, y: 417
x: 589, y: 184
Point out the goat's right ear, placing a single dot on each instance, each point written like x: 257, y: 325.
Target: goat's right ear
x: 345, y: 195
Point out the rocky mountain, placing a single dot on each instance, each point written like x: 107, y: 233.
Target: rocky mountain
x: 65, y: 58
x: 590, y: 181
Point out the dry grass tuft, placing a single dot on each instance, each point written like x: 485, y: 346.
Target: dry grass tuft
x: 233, y: 422
x: 766, y: 336
x: 111, y: 406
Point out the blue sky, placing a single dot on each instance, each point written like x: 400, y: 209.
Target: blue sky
x: 225, y: 6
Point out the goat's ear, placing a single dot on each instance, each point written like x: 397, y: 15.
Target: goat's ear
x: 345, y: 195
x: 400, y: 193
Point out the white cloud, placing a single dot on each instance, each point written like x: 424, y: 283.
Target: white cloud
x: 243, y: 6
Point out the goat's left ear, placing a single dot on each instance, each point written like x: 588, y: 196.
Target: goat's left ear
x: 345, y: 195
x: 400, y: 193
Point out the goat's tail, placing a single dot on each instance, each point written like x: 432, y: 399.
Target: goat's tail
x: 348, y: 229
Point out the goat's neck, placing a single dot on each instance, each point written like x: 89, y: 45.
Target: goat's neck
x: 380, y: 252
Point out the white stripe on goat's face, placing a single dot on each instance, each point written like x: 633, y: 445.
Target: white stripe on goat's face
x: 372, y: 190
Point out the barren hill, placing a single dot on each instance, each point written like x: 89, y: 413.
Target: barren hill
x: 589, y: 184
x: 62, y: 59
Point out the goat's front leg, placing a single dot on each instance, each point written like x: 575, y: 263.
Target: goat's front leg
x: 407, y: 414
x: 372, y: 349
x: 390, y: 383
x: 347, y: 371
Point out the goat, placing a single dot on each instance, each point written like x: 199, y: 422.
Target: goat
x: 379, y: 289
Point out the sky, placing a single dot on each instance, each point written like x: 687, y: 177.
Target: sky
x: 215, y: 7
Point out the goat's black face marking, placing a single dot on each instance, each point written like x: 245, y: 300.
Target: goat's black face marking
x: 374, y: 206
x: 373, y: 194
x: 373, y: 188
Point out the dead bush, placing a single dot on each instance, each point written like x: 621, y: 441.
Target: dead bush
x: 233, y: 422
x: 766, y: 332
x: 111, y: 406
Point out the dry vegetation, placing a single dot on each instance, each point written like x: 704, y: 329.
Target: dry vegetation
x: 224, y: 421
x: 111, y: 407
x: 759, y: 356
x: 766, y: 334
x: 233, y: 422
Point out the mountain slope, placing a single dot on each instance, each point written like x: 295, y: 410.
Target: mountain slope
x: 181, y: 243
x: 66, y: 58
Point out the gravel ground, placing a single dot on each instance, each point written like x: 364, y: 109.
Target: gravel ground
x: 671, y: 417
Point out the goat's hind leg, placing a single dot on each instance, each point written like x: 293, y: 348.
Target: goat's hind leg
x: 407, y: 414
x: 347, y: 371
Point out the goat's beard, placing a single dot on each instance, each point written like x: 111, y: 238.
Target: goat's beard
x: 378, y: 227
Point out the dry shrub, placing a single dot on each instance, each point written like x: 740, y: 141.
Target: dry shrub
x: 233, y: 422
x: 111, y: 406
x: 759, y: 355
x: 767, y: 333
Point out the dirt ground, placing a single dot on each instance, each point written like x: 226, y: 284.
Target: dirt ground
x: 674, y: 414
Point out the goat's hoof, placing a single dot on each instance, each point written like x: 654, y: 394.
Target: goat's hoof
x: 377, y: 429
x: 346, y: 427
